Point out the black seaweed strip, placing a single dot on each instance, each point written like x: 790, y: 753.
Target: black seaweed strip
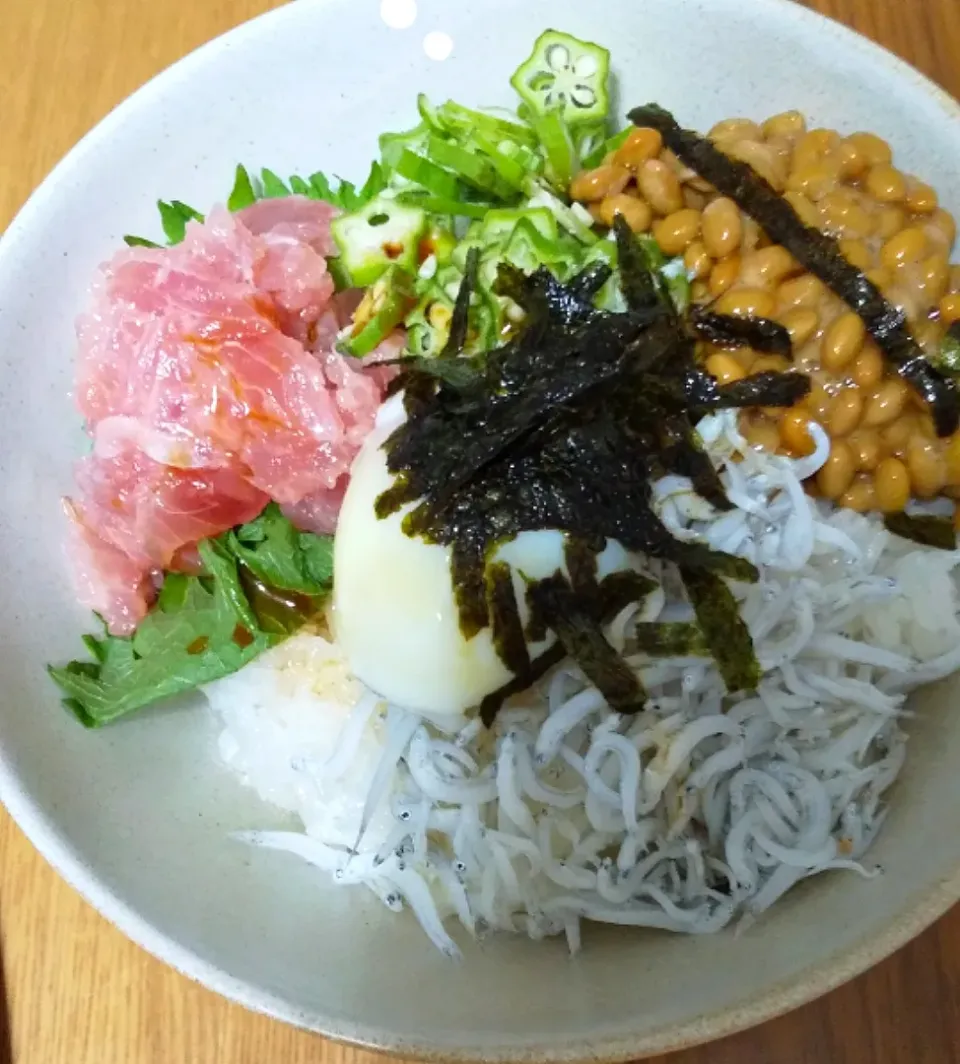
x: 581, y: 561
x: 512, y: 418
x: 506, y: 628
x: 723, y: 628
x: 760, y: 389
x: 671, y: 639
x: 542, y: 295
x: 458, y: 373
x: 582, y: 638
x: 682, y: 455
x: 590, y: 280
x: 765, y: 389
x: 460, y: 320
x: 540, y: 666
x: 467, y: 567
x: 617, y: 591
x: 761, y: 334
x: 697, y: 556
x: 926, y: 529
x: 637, y: 280
x: 818, y: 253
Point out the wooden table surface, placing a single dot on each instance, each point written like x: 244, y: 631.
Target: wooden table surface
x: 78, y: 992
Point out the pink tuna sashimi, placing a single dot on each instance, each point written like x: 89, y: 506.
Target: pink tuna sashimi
x: 185, y: 342
x: 296, y: 232
x: 292, y: 218
x: 149, y: 511
x: 200, y: 395
x: 105, y: 579
x: 146, y: 298
x: 297, y: 280
x: 335, y: 318
x: 227, y: 388
x: 318, y: 513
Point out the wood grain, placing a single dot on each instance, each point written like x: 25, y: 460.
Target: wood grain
x: 80, y: 993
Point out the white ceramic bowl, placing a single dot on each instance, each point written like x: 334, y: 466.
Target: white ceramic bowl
x: 137, y: 816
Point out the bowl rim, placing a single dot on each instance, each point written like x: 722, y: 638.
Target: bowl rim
x: 927, y: 906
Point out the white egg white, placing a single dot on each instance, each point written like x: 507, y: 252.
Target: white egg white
x: 394, y: 613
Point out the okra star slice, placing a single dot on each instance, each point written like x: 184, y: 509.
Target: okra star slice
x: 381, y: 234
x: 567, y: 73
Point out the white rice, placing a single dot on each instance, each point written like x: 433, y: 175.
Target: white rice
x: 702, y: 810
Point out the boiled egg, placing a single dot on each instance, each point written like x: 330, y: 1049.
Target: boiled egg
x: 394, y: 612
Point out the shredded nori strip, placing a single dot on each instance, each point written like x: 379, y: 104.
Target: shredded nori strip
x: 589, y: 281
x: 539, y: 667
x: 926, y: 529
x: 818, y: 253
x: 759, y: 389
x: 581, y: 562
x: 616, y: 591
x: 621, y: 588
x: 505, y: 624
x: 460, y: 320
x: 565, y: 427
x: 641, y: 285
x: 546, y: 300
x: 723, y: 628
x: 582, y: 638
x: 680, y: 453
x: 726, y: 330
x: 671, y: 639
x: 458, y: 373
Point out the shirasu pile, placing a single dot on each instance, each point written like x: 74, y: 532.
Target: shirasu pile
x: 702, y: 810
